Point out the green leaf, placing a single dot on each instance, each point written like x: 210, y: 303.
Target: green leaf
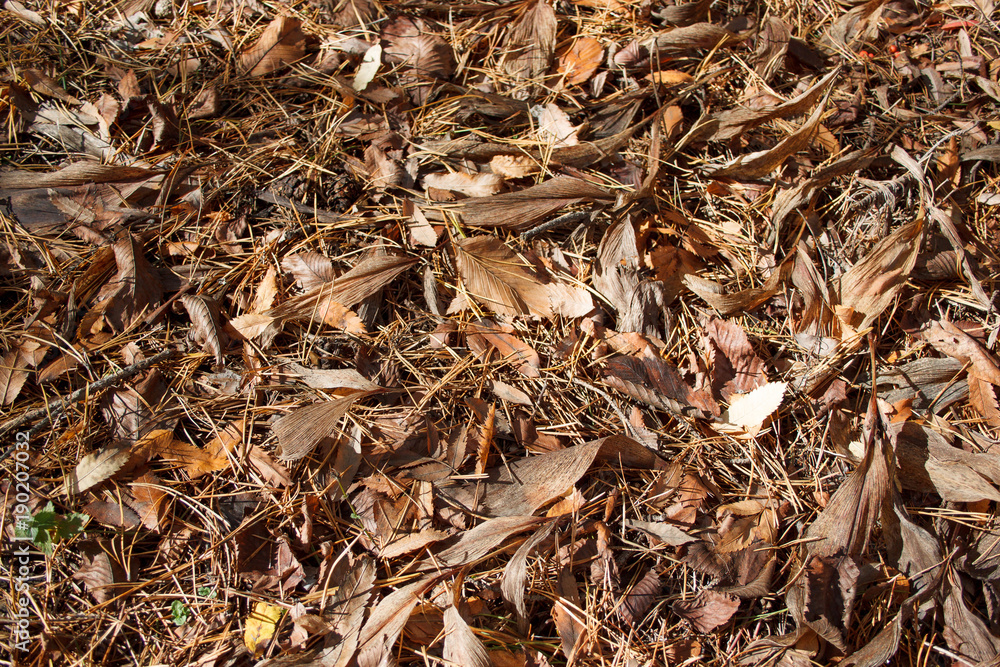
x: 180, y: 612
x: 46, y: 527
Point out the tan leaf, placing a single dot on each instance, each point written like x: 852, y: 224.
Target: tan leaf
x: 267, y: 291
x: 493, y: 274
x: 581, y: 61
x: 475, y: 545
x: 554, y: 127
x: 523, y: 209
x: 514, y: 166
x: 281, y: 44
x: 198, y: 461
x: 707, y: 610
x: 149, y: 501
x: 301, y: 430
x: 366, y: 278
x: 380, y: 631
x: 340, y: 378
x: 667, y: 533
x: 485, y: 441
x: 983, y: 400
x: 408, y: 41
x: 470, y: 185
x: 411, y: 542
x: 461, y: 645
x: 421, y: 230
x: 13, y: 375
x: 951, y: 340
x: 653, y: 381
x: 511, y: 394
x: 338, y: 316
x: 529, y: 45
x: 270, y: 470
x: 873, y: 283
x: 483, y: 338
x: 515, y: 573
x: 96, y: 467
x: 348, y: 607
x: 310, y: 269
x: 206, y: 320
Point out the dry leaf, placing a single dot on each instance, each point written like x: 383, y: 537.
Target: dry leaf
x: 206, y: 320
x: 281, y: 44
x: 581, y: 61
x: 522, y: 209
x: 470, y: 185
x: 342, y: 378
x: 750, y: 410
x: 133, y: 290
x: 310, y: 269
x: 514, y: 166
x: 300, y: 431
x: 368, y: 69
x: 640, y: 598
x: 529, y: 46
x: 97, y: 467
x: 494, y: 275
x: 461, y: 645
x: 707, y: 610
x: 261, y: 625
x: 554, y: 128
x: 484, y: 337
x: 149, y: 501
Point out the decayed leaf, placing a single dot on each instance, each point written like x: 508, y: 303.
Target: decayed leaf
x: 461, y: 645
x: 485, y: 337
x: 529, y: 46
x: 341, y: 378
x: 206, y: 318
x: 581, y: 61
x: 261, y: 625
x: 707, y: 610
x: 281, y: 44
x: 522, y: 209
x: 640, y: 598
x: 470, y: 185
x: 133, y: 290
x: 497, y: 277
x: 300, y: 431
x: 951, y: 340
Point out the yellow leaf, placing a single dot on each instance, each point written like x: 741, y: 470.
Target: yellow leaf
x: 261, y: 625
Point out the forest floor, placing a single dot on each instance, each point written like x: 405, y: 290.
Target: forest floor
x: 500, y: 333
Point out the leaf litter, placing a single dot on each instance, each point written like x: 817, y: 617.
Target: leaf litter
x: 503, y: 333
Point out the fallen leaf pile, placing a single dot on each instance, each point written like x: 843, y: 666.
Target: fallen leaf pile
x: 501, y: 333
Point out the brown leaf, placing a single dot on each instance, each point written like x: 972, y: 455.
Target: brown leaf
x: 348, y: 607
x: 483, y: 338
x: 654, y: 382
x: 951, y: 340
x: 13, y: 375
x: 529, y: 45
x: 340, y: 378
x: 461, y: 645
x: 572, y: 630
x: 310, y: 269
x: 206, y: 320
x: 640, y: 598
x: 281, y: 44
x: 425, y: 56
x: 300, y: 431
x: 485, y: 441
x: 929, y: 463
x: 133, y: 290
x: 873, y: 283
x: 581, y: 61
x: 366, y: 278
x: 707, y: 610
x: 523, y: 209
x: 542, y: 479
x: 99, y: 572
x: 735, y: 366
x: 496, y: 276
x: 112, y: 514
x: 46, y: 85
x: 379, y: 633
x: 198, y: 461
x: 149, y: 501
x: 762, y: 163
x: 270, y: 470
x: 667, y: 533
